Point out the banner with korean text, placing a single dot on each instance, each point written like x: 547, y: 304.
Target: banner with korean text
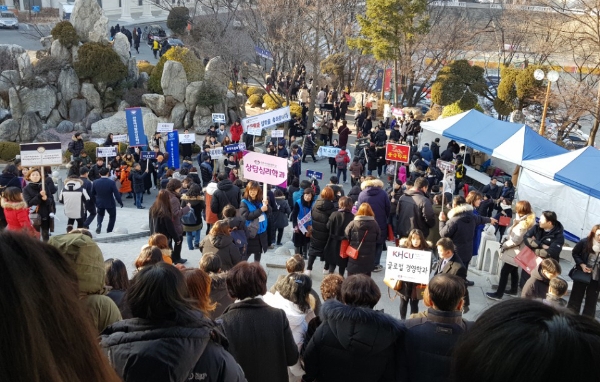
x: 396, y: 152
x: 255, y: 124
x: 265, y: 168
x: 408, y: 265
x: 135, y: 126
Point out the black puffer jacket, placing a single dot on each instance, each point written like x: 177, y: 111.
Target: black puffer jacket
x: 414, y: 211
x: 141, y: 350
x: 355, y: 231
x: 320, y: 213
x: 224, y: 247
x: 353, y: 344
x: 227, y: 193
x: 536, y: 237
x: 461, y: 229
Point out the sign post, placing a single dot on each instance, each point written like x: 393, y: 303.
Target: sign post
x: 106, y: 152
x: 446, y: 167
x: 41, y: 154
x: 397, y: 153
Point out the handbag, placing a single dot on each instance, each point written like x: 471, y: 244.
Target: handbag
x: 391, y: 236
x: 578, y: 275
x: 353, y: 252
x: 526, y: 259
x: 393, y: 284
x: 504, y: 221
x: 420, y: 288
x: 343, y: 247
x: 35, y: 217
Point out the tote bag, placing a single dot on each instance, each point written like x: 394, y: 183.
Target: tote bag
x: 526, y: 259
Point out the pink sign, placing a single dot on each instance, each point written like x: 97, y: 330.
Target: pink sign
x: 265, y: 168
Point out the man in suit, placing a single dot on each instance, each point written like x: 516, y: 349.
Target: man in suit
x: 105, y: 191
x: 451, y: 264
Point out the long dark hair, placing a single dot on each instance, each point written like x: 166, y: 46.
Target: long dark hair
x: 156, y: 294
x: 417, y: 232
x: 44, y: 324
x: 590, y: 238
x: 116, y: 274
x: 161, y: 208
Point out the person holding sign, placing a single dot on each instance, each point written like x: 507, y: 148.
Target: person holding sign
x: 302, y: 222
x: 254, y: 211
x: 409, y: 291
x: 364, y: 234
x: 40, y: 200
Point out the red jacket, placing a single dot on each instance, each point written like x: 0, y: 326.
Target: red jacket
x: 236, y: 132
x: 17, y: 215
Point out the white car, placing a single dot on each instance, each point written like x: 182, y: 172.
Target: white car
x: 8, y: 20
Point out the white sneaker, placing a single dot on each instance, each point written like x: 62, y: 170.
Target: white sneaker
x: 307, y: 272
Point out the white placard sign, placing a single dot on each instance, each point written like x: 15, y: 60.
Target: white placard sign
x: 41, y: 154
x: 255, y: 124
x: 216, y: 152
x: 408, y: 265
x: 164, y: 127
x: 106, y: 152
x: 187, y: 138
x: 120, y: 138
x: 218, y: 118
x: 330, y: 152
x: 277, y: 134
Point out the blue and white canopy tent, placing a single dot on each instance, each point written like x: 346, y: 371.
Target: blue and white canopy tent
x: 568, y: 184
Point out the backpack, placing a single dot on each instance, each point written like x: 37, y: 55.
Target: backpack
x: 340, y: 161
x: 460, y: 171
x: 189, y: 218
x: 239, y: 238
x: 254, y: 226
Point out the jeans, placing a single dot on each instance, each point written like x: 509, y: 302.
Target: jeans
x: 112, y: 216
x: 193, y: 236
x: 513, y: 272
x: 139, y: 197
x: 591, y: 298
x: 341, y: 171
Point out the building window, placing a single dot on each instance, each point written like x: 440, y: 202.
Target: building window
x: 140, y: 2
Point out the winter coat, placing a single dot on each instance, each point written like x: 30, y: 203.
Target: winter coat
x: 460, y: 227
x: 224, y: 247
x: 281, y: 213
x: 353, y: 344
x: 177, y: 212
x: 554, y: 239
x: 75, y: 146
x: 342, y: 159
x: 236, y: 131
x: 198, y: 205
x: 226, y: 193
x: 309, y: 144
x: 537, y: 285
x: 137, y: 180
x: 356, y: 169
x: 371, y: 159
x: 373, y: 194
x: 17, y: 216
x: 435, y: 151
x: 491, y: 190
x: 252, y: 324
x: 125, y: 182
x: 343, y: 133
x: 259, y: 243
x: 94, y: 172
x: 143, y: 350
x: 74, y: 196
x: 516, y: 233
x: 301, y: 209
x: 429, y: 341
x: 164, y: 225
x: 206, y: 173
x: 447, y: 155
x: 355, y: 193
x: 320, y: 213
x: 454, y: 266
x: 355, y: 231
x: 426, y: 154
x: 219, y: 294
x: 31, y: 194
x: 380, y: 137
x: 434, y: 232
x: 211, y: 217
x: 337, y: 223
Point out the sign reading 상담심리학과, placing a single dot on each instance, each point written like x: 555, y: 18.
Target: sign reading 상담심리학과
x: 410, y: 265
x: 265, y: 168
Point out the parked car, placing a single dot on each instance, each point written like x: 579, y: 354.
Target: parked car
x: 156, y: 31
x: 8, y: 20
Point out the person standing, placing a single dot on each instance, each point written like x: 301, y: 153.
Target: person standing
x: 155, y: 47
x: 76, y: 145
x: 137, y: 180
x: 95, y: 169
x: 408, y: 292
x: 337, y: 223
x: 220, y: 243
x: 373, y: 194
x: 42, y: 200
x: 450, y: 263
x: 309, y: 145
x: 136, y: 40
x: 252, y: 209
x: 226, y: 193
x: 236, y: 130
x: 74, y: 196
x: 90, y: 205
x: 320, y: 213
x: 302, y: 221
x: 587, y: 257
x: 364, y: 234
x: 341, y: 160
x: 105, y: 191
x: 195, y: 198
x: 174, y: 187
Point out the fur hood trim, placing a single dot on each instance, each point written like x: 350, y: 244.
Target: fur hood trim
x: 371, y: 183
x: 13, y: 205
x: 464, y: 208
x: 334, y: 310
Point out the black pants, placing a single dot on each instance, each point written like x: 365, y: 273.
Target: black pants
x: 303, y: 250
x: 176, y: 253
x: 414, y: 307
x: 91, y: 215
x: 341, y: 269
x: 312, y: 256
x: 270, y: 231
x: 324, y: 138
x: 591, y: 298
x: 279, y: 235
x: 311, y: 154
x: 80, y: 224
x: 513, y: 272
x: 112, y: 217
x: 524, y: 277
x: 44, y: 229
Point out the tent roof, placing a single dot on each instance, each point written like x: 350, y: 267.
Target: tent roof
x: 526, y: 144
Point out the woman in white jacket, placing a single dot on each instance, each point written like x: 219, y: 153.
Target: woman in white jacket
x: 293, y: 297
x: 511, y: 244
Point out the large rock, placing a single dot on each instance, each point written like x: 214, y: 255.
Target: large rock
x: 60, y: 52
x: 77, y: 110
x: 68, y: 83
x: 116, y: 124
x: 132, y: 70
x: 88, y: 91
x: 54, y: 119
x: 89, y: 21
x: 9, y: 79
x: 174, y: 80
x: 191, y: 94
x: 216, y: 75
x: 25, y: 68
x: 94, y: 116
x: 46, y: 42
x: 202, y: 119
x: 9, y: 130
x: 142, y: 81
x: 75, y: 52
x: 10, y: 54
x: 150, y: 123
x: 122, y: 47
x: 40, y: 100
x: 123, y: 105
x: 31, y: 126
x: 188, y: 121
x: 63, y: 109
x: 47, y: 136
x: 65, y: 127
x: 177, y: 115
x: 156, y: 102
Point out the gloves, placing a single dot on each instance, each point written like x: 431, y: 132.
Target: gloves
x: 121, y: 204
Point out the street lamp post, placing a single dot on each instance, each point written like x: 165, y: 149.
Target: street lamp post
x: 552, y: 76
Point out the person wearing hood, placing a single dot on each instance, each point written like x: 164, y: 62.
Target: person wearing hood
x: 354, y: 342
x: 74, y: 196
x: 76, y: 145
x: 220, y: 243
x: 545, y: 239
x: 538, y: 284
x: 341, y: 160
x: 211, y: 264
x: 373, y: 194
x: 510, y: 245
x: 320, y: 213
x: 166, y: 323
x: 460, y: 225
x: 42, y: 200
x: 226, y: 193
x: 587, y: 257
x: 16, y: 211
x: 426, y: 154
x: 88, y: 262
x: 395, y: 135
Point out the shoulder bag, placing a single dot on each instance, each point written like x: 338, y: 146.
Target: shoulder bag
x: 578, y: 275
x: 35, y: 217
x: 343, y: 247
x: 353, y: 252
x: 526, y: 259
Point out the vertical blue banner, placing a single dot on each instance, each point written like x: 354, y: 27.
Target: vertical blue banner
x: 379, y: 80
x: 135, y: 126
x: 172, y: 147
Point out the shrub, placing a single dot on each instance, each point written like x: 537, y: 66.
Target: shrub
x: 295, y: 110
x: 178, y: 19
x: 245, y: 89
x: 123, y: 147
x: 89, y: 148
x: 133, y: 96
x: 454, y: 108
x: 255, y: 100
x: 255, y: 90
x: 195, y: 148
x: 273, y: 101
x: 46, y: 65
x: 145, y: 66
x: 194, y: 70
x: 65, y: 33
x: 100, y: 63
x: 9, y: 150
